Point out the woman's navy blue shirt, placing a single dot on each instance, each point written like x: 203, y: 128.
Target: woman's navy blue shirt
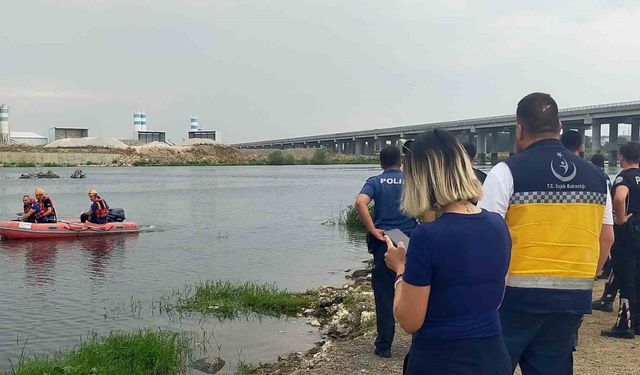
x: 464, y: 258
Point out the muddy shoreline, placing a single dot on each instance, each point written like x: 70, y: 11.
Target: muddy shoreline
x: 347, y: 347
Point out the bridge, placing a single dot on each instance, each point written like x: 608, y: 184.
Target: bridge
x: 484, y: 131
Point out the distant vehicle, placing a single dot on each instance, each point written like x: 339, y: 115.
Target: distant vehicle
x: 47, y: 174
x: 78, y: 174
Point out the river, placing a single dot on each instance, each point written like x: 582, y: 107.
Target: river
x: 218, y: 223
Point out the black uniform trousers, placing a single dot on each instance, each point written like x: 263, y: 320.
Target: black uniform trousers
x: 625, y: 259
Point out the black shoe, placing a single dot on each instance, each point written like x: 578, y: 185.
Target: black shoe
x: 383, y: 353
x: 602, y: 304
x: 617, y: 332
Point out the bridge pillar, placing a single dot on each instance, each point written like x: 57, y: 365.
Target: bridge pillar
x: 613, y: 142
x: 635, y: 129
x: 494, y: 146
x: 348, y: 149
x: 582, y: 136
x: 396, y: 142
x: 512, y: 141
x: 596, y: 136
x: 482, y: 147
x: 379, y: 144
x: 359, y: 147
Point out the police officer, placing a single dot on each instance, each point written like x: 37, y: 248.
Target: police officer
x: 605, y: 303
x: 625, y: 254
x: 48, y: 211
x: 385, y: 190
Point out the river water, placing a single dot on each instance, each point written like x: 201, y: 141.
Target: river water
x: 218, y: 223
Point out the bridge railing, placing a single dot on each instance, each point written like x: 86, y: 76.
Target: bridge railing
x: 412, y: 128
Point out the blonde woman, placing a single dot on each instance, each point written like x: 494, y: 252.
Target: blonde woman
x: 451, y: 281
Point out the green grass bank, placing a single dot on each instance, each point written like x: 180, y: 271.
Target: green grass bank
x: 228, y: 300
x: 144, y: 352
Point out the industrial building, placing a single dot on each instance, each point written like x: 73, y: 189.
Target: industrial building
x: 196, y: 131
x: 151, y: 136
x: 28, y: 139
x: 5, y: 130
x: 56, y: 133
x: 140, y: 121
x: 203, y: 134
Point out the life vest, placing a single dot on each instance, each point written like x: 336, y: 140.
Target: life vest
x: 103, y: 208
x: 555, y: 217
x: 43, y: 210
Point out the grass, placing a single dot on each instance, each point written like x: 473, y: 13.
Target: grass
x: 227, y: 300
x: 142, y: 352
x: 245, y: 368
x: 349, y: 219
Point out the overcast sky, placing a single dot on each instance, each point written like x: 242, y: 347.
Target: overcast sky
x: 270, y: 69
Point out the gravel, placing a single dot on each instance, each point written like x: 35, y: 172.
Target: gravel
x: 88, y: 142
x: 197, y: 141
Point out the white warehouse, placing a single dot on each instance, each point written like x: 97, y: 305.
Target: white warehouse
x: 28, y: 138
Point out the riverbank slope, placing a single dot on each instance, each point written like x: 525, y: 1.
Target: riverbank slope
x: 354, y: 354
x: 158, y: 154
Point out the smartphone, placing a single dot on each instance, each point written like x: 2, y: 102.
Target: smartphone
x: 396, y: 236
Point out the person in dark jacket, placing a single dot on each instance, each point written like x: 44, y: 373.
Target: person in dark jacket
x: 471, y: 150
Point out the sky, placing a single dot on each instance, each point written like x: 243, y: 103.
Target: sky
x: 257, y: 70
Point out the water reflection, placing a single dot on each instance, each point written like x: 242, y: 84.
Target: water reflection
x: 40, y: 255
x: 101, y: 249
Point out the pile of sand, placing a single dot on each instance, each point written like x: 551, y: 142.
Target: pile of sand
x: 197, y: 141
x: 153, y: 145
x: 88, y: 142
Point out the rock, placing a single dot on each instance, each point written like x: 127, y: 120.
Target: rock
x: 347, y: 270
x: 209, y: 365
x: 315, y: 350
x: 327, y: 301
x: 315, y: 323
x: 359, y: 273
x: 327, y: 345
x: 341, y: 323
x: 366, y: 316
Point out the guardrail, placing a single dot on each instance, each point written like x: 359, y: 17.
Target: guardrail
x: 421, y: 127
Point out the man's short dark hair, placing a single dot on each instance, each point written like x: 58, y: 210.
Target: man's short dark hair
x: 471, y: 150
x: 598, y: 160
x: 538, y: 114
x: 390, y: 157
x: 630, y: 151
x: 572, y: 140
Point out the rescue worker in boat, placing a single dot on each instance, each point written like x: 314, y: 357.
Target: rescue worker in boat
x: 30, y: 208
x: 98, y: 212
x: 47, y: 212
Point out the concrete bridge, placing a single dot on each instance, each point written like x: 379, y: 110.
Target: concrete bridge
x: 485, y: 132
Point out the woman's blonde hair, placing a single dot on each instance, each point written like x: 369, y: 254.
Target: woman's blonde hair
x: 438, y: 172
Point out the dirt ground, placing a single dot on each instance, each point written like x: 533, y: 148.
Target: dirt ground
x: 596, y: 354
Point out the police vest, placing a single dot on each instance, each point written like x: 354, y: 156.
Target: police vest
x: 631, y: 179
x: 555, y: 217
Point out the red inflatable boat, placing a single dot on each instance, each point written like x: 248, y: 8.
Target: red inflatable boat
x: 64, y: 229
